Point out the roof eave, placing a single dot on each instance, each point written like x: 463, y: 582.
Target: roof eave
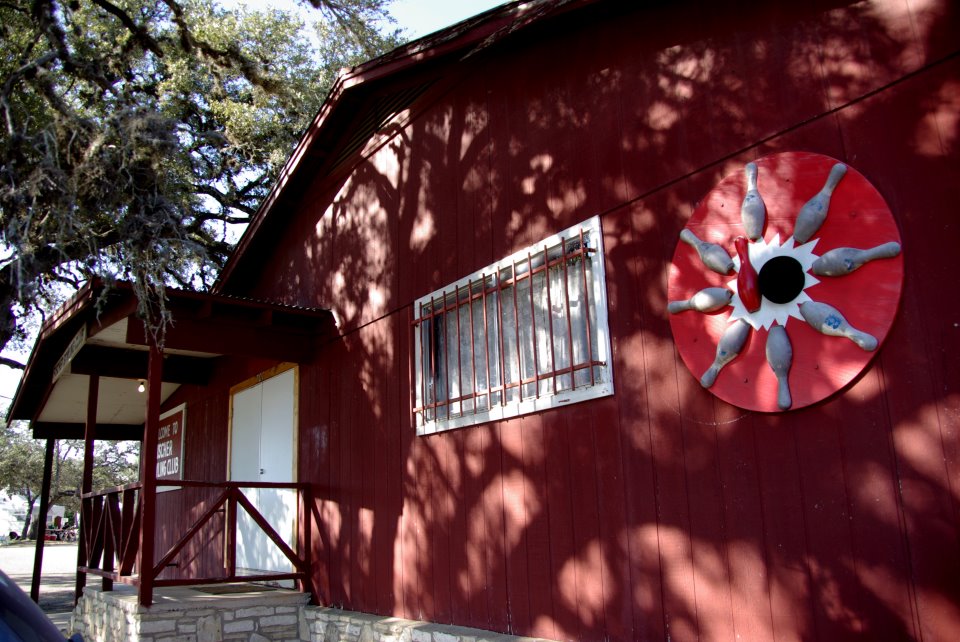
x: 464, y: 37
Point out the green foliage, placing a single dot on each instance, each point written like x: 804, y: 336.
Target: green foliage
x: 21, y: 467
x: 137, y: 133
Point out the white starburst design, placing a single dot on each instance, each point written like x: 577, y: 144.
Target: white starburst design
x: 769, y: 313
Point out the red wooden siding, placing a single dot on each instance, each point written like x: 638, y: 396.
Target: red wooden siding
x: 204, y: 459
x: 177, y: 509
x: 661, y: 511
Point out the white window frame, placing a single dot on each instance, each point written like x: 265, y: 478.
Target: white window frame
x: 478, y: 307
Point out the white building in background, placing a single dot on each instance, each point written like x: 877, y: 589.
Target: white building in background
x: 13, y: 510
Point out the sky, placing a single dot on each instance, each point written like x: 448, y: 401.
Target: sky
x: 421, y: 17
x: 417, y: 17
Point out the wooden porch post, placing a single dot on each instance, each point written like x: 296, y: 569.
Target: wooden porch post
x: 86, y: 485
x: 42, y: 527
x: 148, y: 489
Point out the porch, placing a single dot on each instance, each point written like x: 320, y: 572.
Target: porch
x: 97, y: 372
x: 113, y: 535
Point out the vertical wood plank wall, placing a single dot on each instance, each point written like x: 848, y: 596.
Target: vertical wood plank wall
x: 177, y: 510
x: 659, y: 512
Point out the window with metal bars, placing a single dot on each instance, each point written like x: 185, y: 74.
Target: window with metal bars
x: 525, y: 334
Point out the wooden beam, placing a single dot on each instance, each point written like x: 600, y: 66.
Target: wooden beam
x: 86, y: 485
x: 272, y: 342
x: 148, y: 476
x: 111, y: 432
x: 42, y: 527
x: 121, y: 363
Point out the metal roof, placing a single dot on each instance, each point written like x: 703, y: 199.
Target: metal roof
x: 98, y: 332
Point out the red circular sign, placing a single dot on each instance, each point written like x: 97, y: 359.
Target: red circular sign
x: 867, y: 297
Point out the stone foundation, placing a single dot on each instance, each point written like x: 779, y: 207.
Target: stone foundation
x: 189, y: 615
x: 192, y: 615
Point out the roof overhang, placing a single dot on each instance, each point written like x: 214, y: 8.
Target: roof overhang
x: 98, y: 332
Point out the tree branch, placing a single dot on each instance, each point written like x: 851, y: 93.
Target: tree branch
x: 139, y: 33
x: 12, y: 363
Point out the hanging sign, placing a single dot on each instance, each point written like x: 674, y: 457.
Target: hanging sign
x: 73, y: 349
x: 170, y: 437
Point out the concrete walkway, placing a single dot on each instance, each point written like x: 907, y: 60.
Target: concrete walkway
x: 57, y: 580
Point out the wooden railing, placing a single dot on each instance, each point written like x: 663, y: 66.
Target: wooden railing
x: 110, y: 536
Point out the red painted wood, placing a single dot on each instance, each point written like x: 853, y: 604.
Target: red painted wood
x: 561, y: 515
x: 611, y: 497
x: 353, y: 559
x: 918, y: 377
x: 708, y: 527
x: 385, y: 515
x: 750, y: 601
x: 673, y: 529
x: 585, y: 566
x: 826, y: 517
x: 441, y: 509
x: 684, y: 516
x: 404, y: 544
x: 42, y: 523
x: 784, y: 537
x: 335, y: 497
x: 368, y: 403
x: 459, y: 598
x: 148, y: 496
x: 86, y: 483
x: 469, y: 597
x: 537, y: 535
x: 516, y: 520
x: 881, y: 562
x: 636, y: 272
x: 494, y: 514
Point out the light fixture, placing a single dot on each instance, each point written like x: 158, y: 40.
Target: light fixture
x: 141, y: 385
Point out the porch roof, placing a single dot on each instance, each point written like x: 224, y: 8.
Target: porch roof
x: 99, y: 333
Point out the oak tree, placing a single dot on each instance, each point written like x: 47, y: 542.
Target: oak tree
x: 137, y: 134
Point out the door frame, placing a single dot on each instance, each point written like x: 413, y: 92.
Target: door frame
x: 250, y: 383
x: 246, y: 384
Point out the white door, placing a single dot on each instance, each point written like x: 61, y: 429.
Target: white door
x: 261, y: 450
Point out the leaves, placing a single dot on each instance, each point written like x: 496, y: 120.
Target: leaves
x: 137, y: 133
x: 21, y: 466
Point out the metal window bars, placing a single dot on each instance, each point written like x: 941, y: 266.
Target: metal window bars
x: 523, y: 330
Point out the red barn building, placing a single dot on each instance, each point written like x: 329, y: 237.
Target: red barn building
x: 467, y: 390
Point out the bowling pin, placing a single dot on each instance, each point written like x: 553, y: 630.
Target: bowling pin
x: 731, y: 343
x: 845, y: 260
x: 706, y: 300
x: 748, y: 283
x: 712, y: 255
x: 828, y: 320
x: 780, y: 357
x: 813, y: 213
x: 753, y: 211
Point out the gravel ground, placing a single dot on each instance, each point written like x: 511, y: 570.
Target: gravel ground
x: 59, y: 572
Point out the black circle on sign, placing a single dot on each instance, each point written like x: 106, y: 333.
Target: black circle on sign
x: 781, y: 279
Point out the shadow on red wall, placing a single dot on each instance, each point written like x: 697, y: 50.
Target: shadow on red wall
x: 660, y: 512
